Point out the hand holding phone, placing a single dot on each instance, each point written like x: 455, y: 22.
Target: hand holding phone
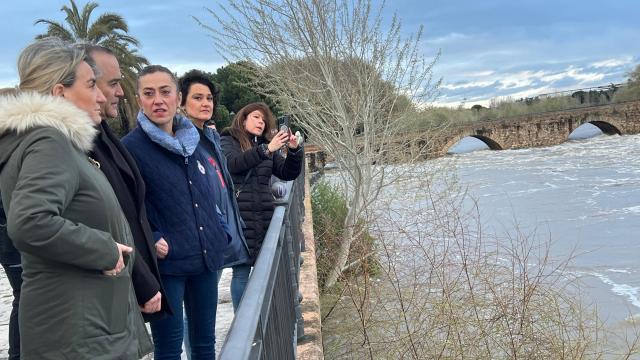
x: 283, y: 124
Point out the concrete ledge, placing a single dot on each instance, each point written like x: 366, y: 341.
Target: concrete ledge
x: 310, y: 346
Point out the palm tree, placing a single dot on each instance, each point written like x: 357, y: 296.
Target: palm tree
x: 111, y: 31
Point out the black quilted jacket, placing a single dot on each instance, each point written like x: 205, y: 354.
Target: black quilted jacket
x: 255, y: 199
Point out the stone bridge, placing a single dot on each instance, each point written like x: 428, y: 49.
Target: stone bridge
x: 543, y: 129
x: 534, y: 130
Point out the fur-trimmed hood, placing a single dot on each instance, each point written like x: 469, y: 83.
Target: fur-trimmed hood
x: 27, y: 110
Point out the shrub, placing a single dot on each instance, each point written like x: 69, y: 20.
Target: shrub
x: 329, y: 212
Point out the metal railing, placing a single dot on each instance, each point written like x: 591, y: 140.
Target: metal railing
x: 268, y: 321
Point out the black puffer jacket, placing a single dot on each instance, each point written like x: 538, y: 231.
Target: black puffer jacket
x: 256, y: 200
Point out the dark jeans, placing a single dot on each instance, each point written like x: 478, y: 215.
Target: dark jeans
x: 239, y: 282
x: 14, y: 275
x: 200, y: 296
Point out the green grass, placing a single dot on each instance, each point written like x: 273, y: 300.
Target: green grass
x: 329, y: 212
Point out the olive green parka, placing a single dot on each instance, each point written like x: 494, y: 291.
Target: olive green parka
x: 65, y: 220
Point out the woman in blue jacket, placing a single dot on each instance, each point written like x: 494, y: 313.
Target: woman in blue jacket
x: 184, y: 200
x: 198, y: 103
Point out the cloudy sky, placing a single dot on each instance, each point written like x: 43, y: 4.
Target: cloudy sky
x: 489, y: 48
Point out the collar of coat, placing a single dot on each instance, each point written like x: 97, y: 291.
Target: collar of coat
x: 252, y: 138
x: 184, y: 141
x: 28, y: 110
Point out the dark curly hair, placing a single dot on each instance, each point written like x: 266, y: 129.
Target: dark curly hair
x: 197, y: 77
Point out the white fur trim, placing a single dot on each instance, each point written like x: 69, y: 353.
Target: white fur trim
x: 28, y: 110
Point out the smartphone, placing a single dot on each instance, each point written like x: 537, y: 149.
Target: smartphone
x: 283, y: 123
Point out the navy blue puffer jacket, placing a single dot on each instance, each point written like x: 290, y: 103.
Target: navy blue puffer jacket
x: 180, y: 202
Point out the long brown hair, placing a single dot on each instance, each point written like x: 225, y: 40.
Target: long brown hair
x: 237, y: 126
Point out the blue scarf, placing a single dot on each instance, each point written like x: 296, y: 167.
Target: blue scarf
x: 184, y: 141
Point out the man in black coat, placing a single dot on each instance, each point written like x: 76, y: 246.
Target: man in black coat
x: 10, y: 260
x: 120, y: 169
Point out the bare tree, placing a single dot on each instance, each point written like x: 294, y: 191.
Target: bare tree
x: 349, y: 78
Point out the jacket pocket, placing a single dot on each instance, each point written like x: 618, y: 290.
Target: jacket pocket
x: 107, y: 306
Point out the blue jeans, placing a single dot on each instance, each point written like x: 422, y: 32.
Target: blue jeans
x: 187, y: 343
x: 200, y: 296
x: 14, y: 275
x: 239, y: 282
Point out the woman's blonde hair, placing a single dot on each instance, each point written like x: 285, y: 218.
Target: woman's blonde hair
x: 50, y: 61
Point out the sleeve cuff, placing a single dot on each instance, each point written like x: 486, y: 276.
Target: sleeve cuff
x: 296, y: 150
x: 157, y: 236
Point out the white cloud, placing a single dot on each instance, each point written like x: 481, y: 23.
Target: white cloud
x: 467, y: 85
x: 573, y: 73
x: 621, y: 61
x: 520, y: 79
x: 481, y: 73
x: 451, y: 37
x: 529, y: 78
x: 531, y: 92
x: 552, y: 77
x: 584, y: 77
x: 456, y: 104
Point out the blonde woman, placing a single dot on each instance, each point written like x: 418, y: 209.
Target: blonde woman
x: 77, y: 301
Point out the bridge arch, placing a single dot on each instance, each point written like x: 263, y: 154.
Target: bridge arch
x: 606, y: 127
x: 542, y: 129
x: 492, y: 144
x: 607, y: 124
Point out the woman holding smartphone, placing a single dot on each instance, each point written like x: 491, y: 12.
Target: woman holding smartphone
x: 252, y: 157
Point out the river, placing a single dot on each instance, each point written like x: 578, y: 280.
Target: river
x: 582, y: 195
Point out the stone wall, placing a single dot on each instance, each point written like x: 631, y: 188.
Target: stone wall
x: 310, y: 346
